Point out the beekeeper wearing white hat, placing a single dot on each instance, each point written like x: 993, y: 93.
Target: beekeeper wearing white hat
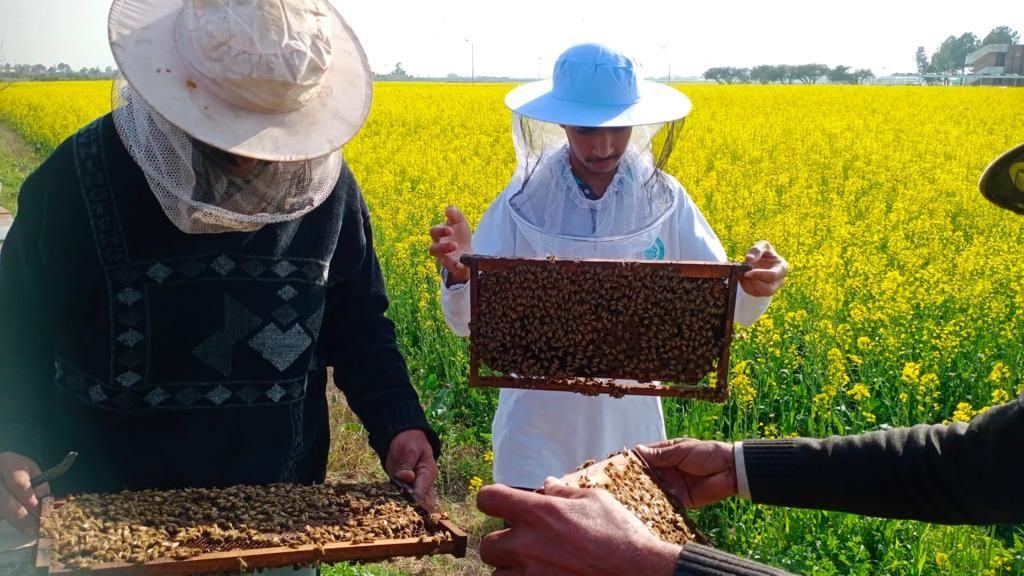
x: 591, y: 145
x: 183, y: 271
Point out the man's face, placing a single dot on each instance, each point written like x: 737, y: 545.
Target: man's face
x: 597, y: 150
x: 228, y: 162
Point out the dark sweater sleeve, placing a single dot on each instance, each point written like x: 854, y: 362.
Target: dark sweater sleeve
x: 26, y: 344
x: 957, y: 474
x: 369, y: 368
x: 698, y: 560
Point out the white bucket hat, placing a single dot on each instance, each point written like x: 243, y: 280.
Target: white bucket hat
x: 595, y: 86
x: 280, y: 80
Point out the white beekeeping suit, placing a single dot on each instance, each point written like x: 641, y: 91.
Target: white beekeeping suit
x: 644, y: 214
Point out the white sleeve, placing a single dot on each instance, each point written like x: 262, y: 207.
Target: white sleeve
x: 494, y: 236
x: 455, y: 305
x: 742, y: 485
x: 699, y: 242
x: 749, y: 308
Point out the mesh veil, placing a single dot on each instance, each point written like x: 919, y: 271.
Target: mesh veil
x: 195, y: 185
x: 557, y: 219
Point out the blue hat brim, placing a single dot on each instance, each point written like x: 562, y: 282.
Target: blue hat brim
x: 657, y: 103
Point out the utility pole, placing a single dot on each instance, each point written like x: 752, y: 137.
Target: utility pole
x: 668, y: 54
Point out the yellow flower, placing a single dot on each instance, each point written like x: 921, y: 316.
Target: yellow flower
x: 999, y: 372
x: 963, y: 413
x: 911, y: 372
x: 869, y: 417
x: 837, y: 369
x: 1000, y: 396
x: 475, y: 483
x: 903, y: 397
x: 743, y: 389
x: 859, y: 392
x: 864, y: 343
x: 823, y: 401
x: 941, y: 559
x: 489, y: 456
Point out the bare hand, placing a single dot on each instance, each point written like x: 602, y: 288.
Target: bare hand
x: 569, y: 531
x: 701, y: 472
x: 411, y: 460
x: 19, y: 500
x: 449, y: 241
x: 768, y: 273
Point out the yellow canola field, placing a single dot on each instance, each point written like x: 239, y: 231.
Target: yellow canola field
x: 899, y: 267
x: 904, y: 305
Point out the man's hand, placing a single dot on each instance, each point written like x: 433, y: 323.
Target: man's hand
x: 569, y: 531
x: 701, y: 472
x: 411, y: 460
x: 768, y: 273
x: 19, y: 500
x: 449, y: 241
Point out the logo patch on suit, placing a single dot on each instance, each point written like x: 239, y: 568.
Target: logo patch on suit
x: 655, y: 251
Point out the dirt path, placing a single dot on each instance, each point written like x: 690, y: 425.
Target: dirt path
x: 17, y: 160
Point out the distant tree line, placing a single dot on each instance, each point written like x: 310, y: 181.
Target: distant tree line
x: 951, y: 55
x: 787, y: 74
x: 14, y: 72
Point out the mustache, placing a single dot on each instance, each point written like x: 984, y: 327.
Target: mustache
x: 603, y: 158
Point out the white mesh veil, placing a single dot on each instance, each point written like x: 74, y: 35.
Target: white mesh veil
x: 195, y: 185
x: 555, y: 216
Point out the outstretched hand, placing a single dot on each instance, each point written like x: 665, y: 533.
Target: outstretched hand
x: 569, y: 531
x: 701, y: 472
x: 768, y: 273
x: 449, y: 241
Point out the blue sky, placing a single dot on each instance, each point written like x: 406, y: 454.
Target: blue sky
x: 523, y: 38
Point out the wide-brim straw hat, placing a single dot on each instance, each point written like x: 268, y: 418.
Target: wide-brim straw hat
x: 596, y: 86
x: 1003, y: 181
x: 280, y: 80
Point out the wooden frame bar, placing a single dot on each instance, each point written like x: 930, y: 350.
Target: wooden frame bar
x: 249, y: 560
x: 731, y: 272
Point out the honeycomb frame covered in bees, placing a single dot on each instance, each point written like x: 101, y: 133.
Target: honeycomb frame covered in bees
x: 616, y: 327
x: 639, y: 488
x: 237, y: 529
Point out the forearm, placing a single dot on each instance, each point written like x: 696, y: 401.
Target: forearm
x: 958, y: 474
x: 24, y: 374
x: 455, y: 304
x: 369, y: 368
x: 376, y: 383
x: 26, y: 355
x: 697, y: 560
x: 749, y: 308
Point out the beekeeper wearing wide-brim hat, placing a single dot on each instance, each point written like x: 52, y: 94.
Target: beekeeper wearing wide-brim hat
x: 183, y: 271
x: 283, y: 82
x: 591, y: 146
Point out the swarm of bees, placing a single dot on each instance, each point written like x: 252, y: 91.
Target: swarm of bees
x: 631, y: 321
x: 642, y: 496
x: 138, y: 527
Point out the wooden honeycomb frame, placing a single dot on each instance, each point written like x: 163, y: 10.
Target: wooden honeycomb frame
x: 252, y: 559
x: 727, y: 272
